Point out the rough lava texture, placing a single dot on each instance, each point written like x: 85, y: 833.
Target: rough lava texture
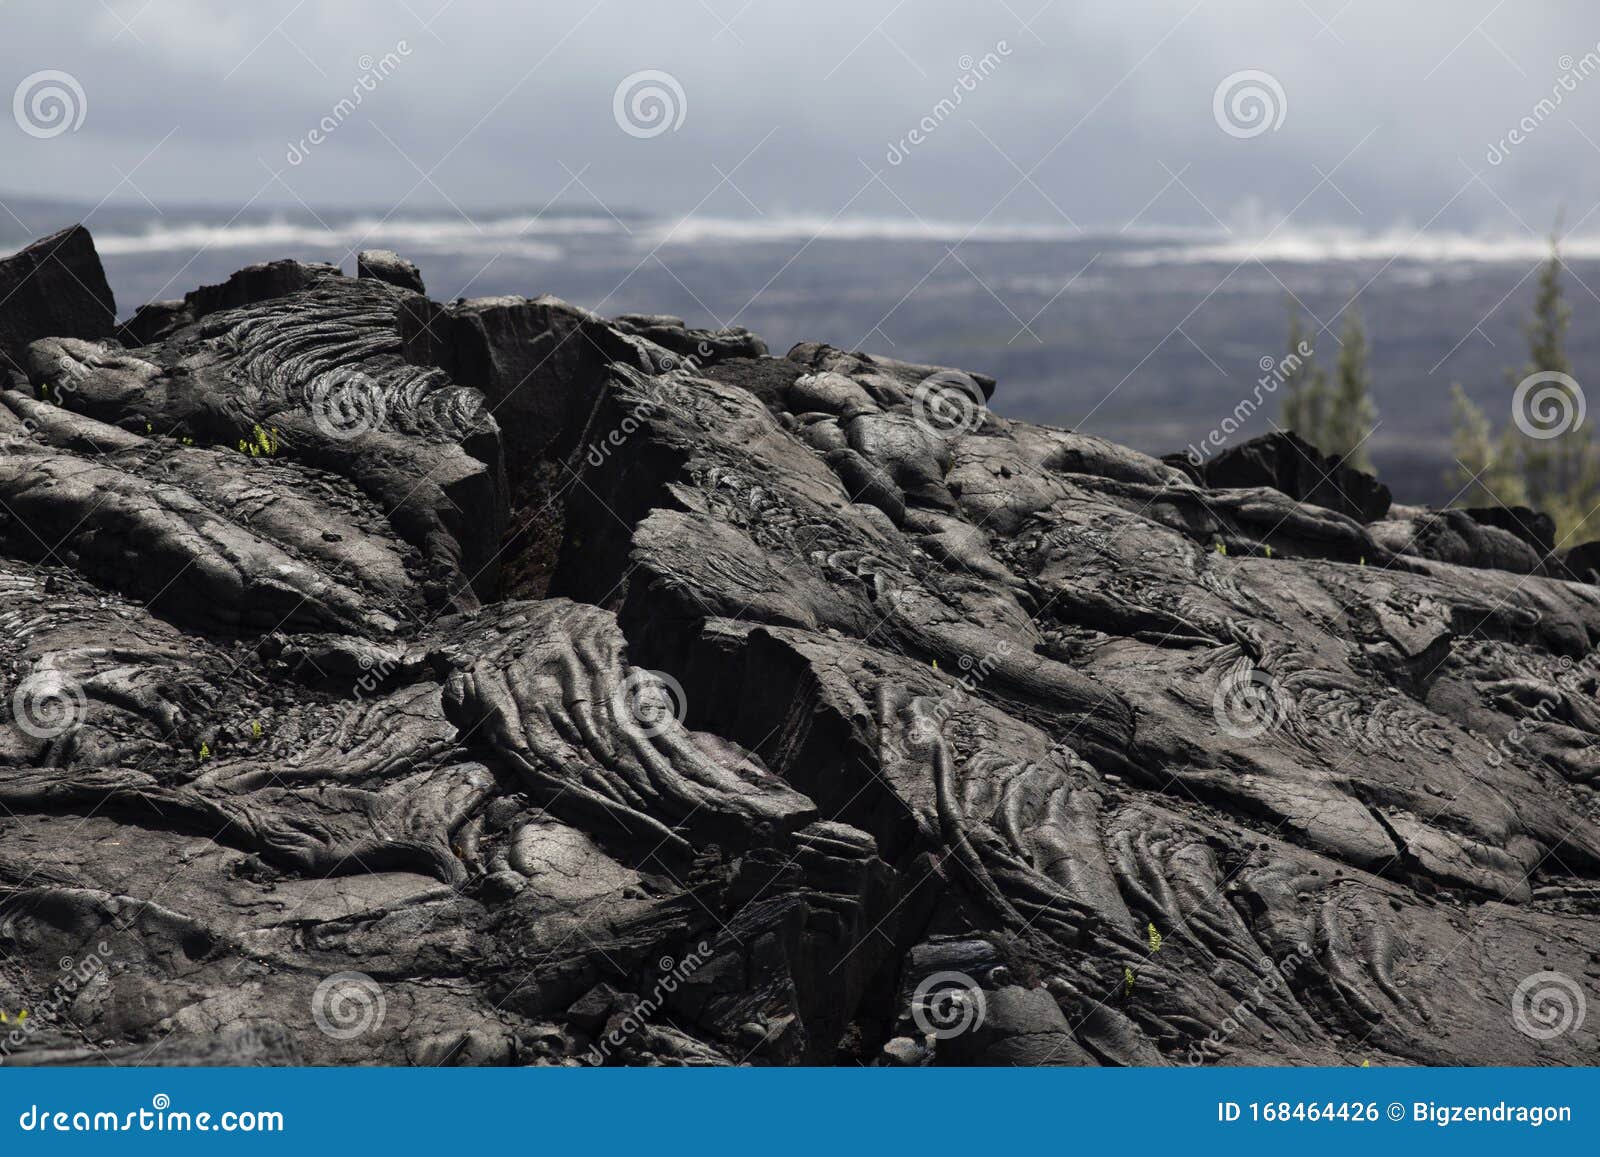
x: 53, y: 287
x: 388, y: 681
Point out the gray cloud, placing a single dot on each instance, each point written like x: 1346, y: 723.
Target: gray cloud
x: 1096, y: 112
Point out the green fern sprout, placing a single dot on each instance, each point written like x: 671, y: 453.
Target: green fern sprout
x: 1155, y: 938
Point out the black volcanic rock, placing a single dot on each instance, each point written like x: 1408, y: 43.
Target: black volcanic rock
x: 1287, y: 462
x: 53, y: 288
x: 256, y: 283
x: 697, y: 347
x: 829, y: 703
x: 386, y: 265
x: 153, y: 321
x: 1533, y: 527
x: 1583, y: 561
x: 1459, y: 537
x: 542, y: 363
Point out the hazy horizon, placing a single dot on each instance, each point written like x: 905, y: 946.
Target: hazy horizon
x: 1108, y: 208
x: 1088, y: 115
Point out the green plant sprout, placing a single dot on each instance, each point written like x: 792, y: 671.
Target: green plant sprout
x: 262, y: 441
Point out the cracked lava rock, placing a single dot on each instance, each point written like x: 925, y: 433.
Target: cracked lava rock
x: 388, y: 681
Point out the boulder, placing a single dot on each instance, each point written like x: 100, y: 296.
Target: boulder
x: 1533, y: 527
x: 1287, y: 462
x: 53, y: 288
x: 540, y: 362
x: 386, y: 265
x: 153, y: 321
x: 255, y: 283
x: 1583, y: 562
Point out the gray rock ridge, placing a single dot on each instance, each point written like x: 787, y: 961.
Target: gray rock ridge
x: 54, y: 287
x: 489, y: 682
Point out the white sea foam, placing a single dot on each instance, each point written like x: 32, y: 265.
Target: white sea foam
x: 534, y: 237
x: 804, y: 227
x: 511, y: 236
x: 1323, y: 246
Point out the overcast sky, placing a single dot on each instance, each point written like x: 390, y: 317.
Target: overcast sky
x: 1094, y: 114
